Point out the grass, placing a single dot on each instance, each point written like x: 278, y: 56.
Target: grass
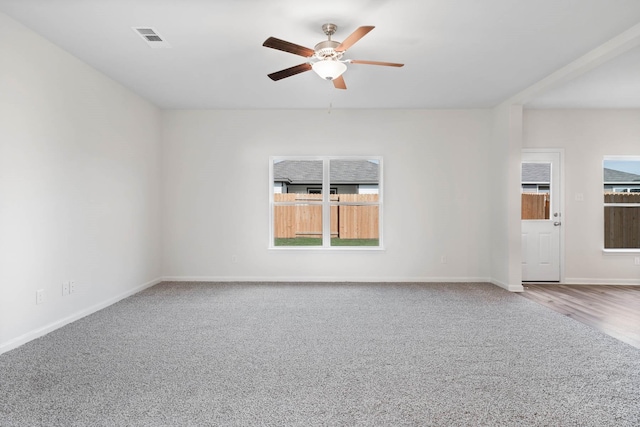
x: 314, y: 241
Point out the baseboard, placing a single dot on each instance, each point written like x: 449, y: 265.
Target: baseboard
x: 510, y: 288
x: 341, y: 279
x: 29, y: 336
x: 587, y: 281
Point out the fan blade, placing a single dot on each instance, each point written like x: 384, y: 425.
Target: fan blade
x: 354, y: 37
x: 285, y: 46
x: 388, y: 64
x: 339, y: 83
x: 288, y: 72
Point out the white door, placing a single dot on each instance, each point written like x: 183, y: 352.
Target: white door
x: 541, y: 216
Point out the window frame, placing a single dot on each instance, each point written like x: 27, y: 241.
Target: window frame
x: 624, y: 205
x: 326, y: 204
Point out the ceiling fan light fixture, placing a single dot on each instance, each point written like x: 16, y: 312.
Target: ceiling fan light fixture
x: 329, y: 69
x: 325, y: 58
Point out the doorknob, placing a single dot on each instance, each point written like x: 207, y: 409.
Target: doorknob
x: 557, y: 223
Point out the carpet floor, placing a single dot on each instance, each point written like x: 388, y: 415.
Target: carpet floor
x: 322, y: 354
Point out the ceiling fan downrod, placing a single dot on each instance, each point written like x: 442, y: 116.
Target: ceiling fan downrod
x: 329, y: 29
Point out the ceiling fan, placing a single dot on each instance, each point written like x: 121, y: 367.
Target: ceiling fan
x: 325, y: 58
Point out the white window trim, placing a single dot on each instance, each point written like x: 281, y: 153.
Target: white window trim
x: 326, y: 206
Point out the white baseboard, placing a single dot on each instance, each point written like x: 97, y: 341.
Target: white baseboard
x: 583, y: 281
x: 510, y: 288
x: 37, y: 333
x: 376, y: 279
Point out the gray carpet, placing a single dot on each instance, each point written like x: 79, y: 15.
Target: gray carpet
x: 340, y: 354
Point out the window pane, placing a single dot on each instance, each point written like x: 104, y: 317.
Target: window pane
x: 355, y: 225
x: 621, y: 177
x: 622, y: 227
x: 297, y: 176
x: 354, y: 176
x: 298, y: 224
x: 536, y: 184
x: 298, y: 182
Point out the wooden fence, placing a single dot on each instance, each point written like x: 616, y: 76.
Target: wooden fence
x: 535, y: 206
x: 305, y: 220
x: 622, y: 224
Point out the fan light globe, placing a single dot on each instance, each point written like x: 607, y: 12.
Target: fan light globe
x: 329, y: 69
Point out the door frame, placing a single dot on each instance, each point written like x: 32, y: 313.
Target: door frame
x: 561, y: 197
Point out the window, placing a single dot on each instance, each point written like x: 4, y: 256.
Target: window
x: 325, y: 202
x: 536, y: 189
x: 621, y: 178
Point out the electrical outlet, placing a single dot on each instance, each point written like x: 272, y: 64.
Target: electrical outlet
x: 65, y: 288
x: 443, y: 259
x: 637, y: 260
x: 39, y: 296
x: 234, y: 259
x: 72, y: 287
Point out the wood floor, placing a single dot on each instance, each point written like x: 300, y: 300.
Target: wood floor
x: 614, y: 310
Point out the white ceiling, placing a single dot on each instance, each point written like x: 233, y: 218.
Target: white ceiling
x: 458, y: 53
x: 615, y: 84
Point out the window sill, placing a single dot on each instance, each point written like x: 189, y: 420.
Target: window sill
x: 327, y: 249
x: 621, y: 251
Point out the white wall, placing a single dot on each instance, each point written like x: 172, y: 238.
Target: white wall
x: 79, y: 187
x: 505, y: 152
x: 215, y: 186
x: 587, y: 136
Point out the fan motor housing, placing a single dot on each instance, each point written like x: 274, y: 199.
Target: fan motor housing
x: 327, y: 50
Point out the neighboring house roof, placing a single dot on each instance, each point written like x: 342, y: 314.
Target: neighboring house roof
x: 538, y: 173
x: 341, y: 171
x: 613, y: 176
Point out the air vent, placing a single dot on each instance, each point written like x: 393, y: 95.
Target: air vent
x: 151, y: 36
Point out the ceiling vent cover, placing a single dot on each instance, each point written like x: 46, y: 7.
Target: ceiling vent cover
x: 151, y: 37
